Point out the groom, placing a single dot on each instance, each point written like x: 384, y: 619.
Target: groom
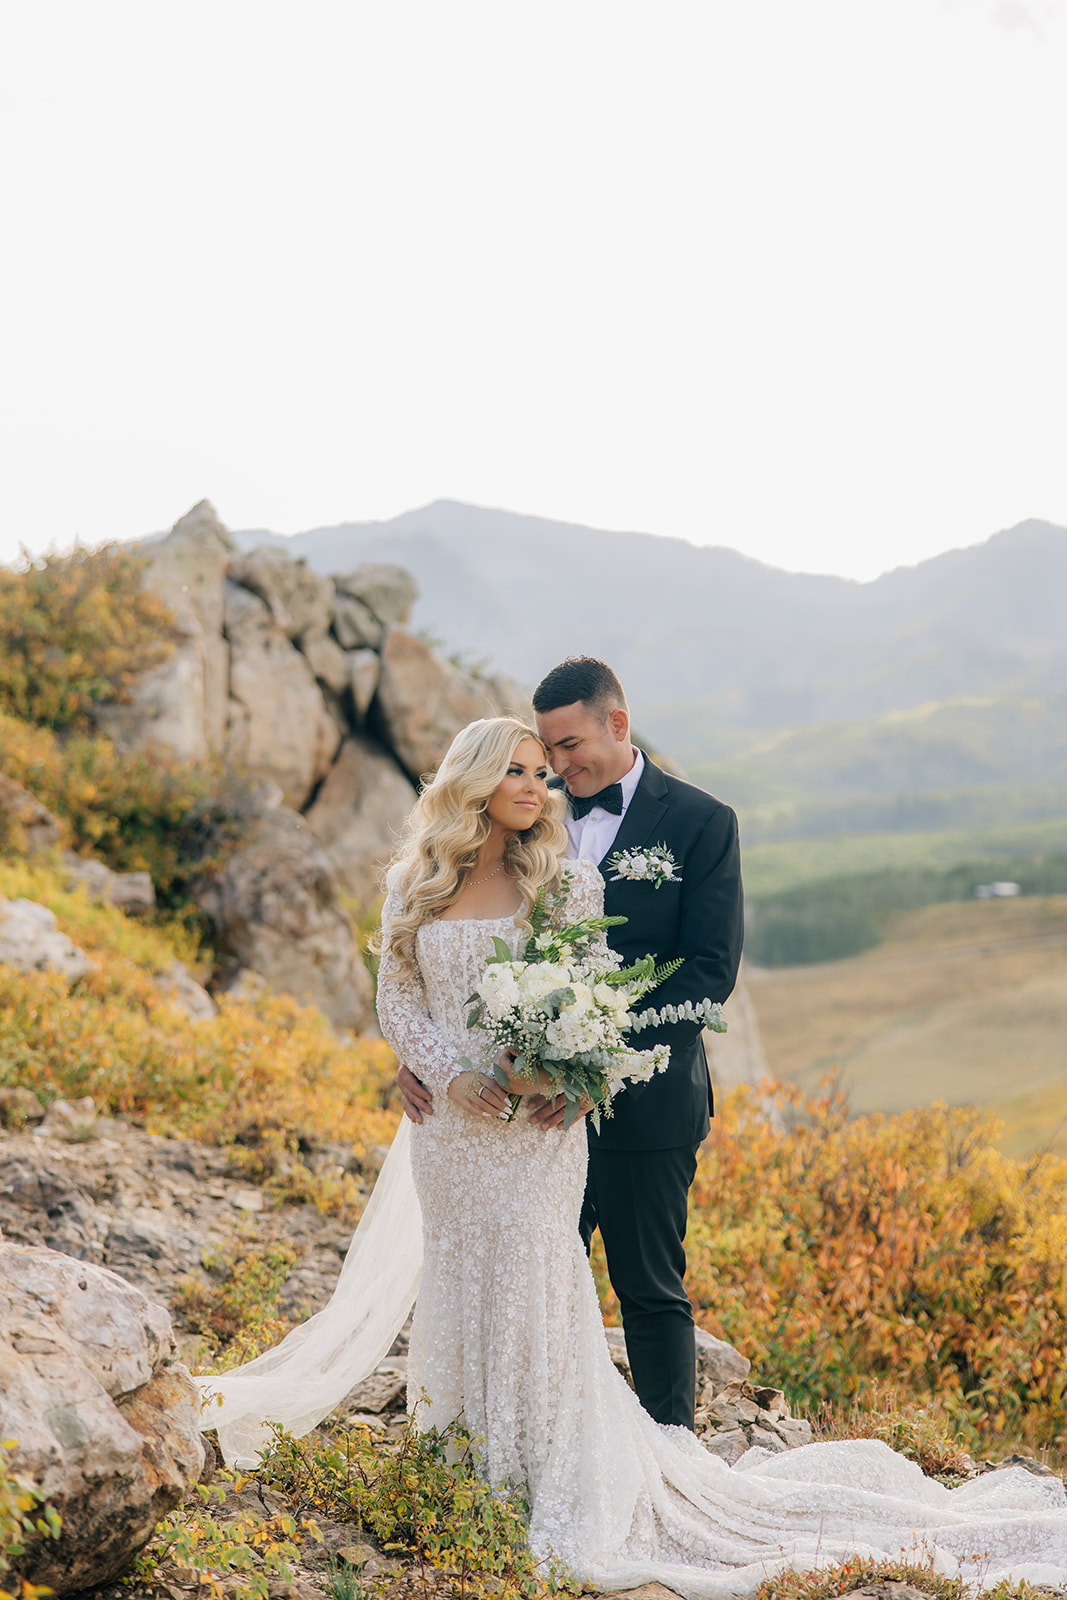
x: 643, y: 1160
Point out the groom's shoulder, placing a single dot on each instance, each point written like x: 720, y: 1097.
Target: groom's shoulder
x: 691, y: 800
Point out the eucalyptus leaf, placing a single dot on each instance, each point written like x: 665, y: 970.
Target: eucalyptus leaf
x: 502, y: 951
x: 500, y: 1075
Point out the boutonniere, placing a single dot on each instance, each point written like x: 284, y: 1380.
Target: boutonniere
x: 655, y: 866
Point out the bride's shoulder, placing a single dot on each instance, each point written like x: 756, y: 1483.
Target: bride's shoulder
x: 582, y: 871
x: 586, y: 887
x: 395, y: 878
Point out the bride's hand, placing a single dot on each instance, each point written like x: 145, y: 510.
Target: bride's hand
x: 479, y: 1095
x: 521, y: 1082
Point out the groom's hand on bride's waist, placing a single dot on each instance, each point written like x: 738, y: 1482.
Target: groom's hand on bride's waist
x: 418, y: 1101
x: 545, y: 1114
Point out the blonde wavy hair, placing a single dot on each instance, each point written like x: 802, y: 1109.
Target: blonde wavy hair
x: 449, y: 824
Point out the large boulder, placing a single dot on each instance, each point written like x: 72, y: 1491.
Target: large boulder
x: 106, y: 1420
x: 359, y: 813
x: 277, y: 910
x: 182, y: 703
x: 279, y: 727
x: 423, y: 702
x: 300, y: 601
x: 31, y: 942
x: 388, y: 592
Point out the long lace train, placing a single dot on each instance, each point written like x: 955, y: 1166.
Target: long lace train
x: 298, y: 1382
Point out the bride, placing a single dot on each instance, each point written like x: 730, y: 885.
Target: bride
x: 507, y: 1335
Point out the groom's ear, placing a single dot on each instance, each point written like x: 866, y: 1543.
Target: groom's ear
x: 619, y: 723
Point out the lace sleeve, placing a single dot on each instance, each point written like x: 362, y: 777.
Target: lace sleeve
x: 586, y: 898
x: 404, y: 1015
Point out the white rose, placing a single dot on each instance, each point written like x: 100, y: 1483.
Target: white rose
x: 583, y: 997
x: 541, y: 978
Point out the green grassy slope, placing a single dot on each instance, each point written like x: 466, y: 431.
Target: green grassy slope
x: 965, y: 1003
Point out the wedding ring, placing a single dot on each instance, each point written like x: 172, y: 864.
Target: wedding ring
x: 481, y: 1090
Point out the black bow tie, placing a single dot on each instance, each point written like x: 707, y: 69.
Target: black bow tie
x: 609, y: 799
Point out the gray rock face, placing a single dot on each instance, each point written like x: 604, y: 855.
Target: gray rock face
x: 182, y: 703
x: 300, y: 601
x: 279, y: 727
x: 105, y: 1417
x: 718, y: 1363
x: 31, y: 942
x: 180, y: 989
x: 30, y: 825
x: 355, y: 624
x: 365, y: 670
x: 276, y: 910
x: 359, y: 814
x: 328, y: 662
x: 424, y: 702
x: 132, y: 891
x: 387, y: 591
x: 745, y: 1415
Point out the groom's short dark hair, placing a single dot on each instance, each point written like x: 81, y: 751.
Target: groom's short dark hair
x: 581, y: 678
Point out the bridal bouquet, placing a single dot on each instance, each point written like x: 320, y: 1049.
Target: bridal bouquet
x: 564, y: 1007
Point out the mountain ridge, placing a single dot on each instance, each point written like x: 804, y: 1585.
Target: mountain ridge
x: 758, y: 646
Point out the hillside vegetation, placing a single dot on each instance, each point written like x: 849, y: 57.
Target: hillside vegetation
x: 965, y: 1003
x: 842, y: 916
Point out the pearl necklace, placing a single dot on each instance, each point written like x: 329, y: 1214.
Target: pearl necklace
x: 473, y: 883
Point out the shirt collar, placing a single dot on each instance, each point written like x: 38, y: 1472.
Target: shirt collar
x: 628, y: 783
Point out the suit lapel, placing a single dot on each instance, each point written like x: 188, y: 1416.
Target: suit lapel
x: 643, y: 815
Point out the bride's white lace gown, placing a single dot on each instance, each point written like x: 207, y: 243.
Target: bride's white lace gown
x: 508, y: 1337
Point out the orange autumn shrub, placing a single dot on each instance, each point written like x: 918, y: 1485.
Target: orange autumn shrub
x: 270, y: 1071
x: 75, y: 631
x: 143, y: 811
x: 905, y: 1248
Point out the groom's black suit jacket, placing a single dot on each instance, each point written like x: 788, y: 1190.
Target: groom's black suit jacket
x: 699, y: 918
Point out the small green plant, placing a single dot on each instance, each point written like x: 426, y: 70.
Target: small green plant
x: 25, y: 1519
x: 253, y: 1549
x: 424, y: 1500
x: 237, y: 1315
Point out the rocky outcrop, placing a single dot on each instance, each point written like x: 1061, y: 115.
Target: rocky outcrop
x: 424, y: 701
x: 181, y: 704
x: 312, y: 684
x: 386, y: 591
x: 743, y: 1416
x: 359, y: 814
x: 105, y: 1418
x: 278, y: 727
x: 276, y: 910
x: 31, y: 942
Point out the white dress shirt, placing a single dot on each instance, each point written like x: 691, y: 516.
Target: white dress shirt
x: 593, y: 835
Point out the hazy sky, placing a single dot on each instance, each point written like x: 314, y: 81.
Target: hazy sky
x: 787, y: 275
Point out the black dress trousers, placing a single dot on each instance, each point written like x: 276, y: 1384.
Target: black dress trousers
x: 639, y: 1201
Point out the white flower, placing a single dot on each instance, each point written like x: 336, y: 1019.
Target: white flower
x: 541, y: 978
x: 613, y: 999
x: 655, y: 866
x: 499, y: 990
x: 583, y: 997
